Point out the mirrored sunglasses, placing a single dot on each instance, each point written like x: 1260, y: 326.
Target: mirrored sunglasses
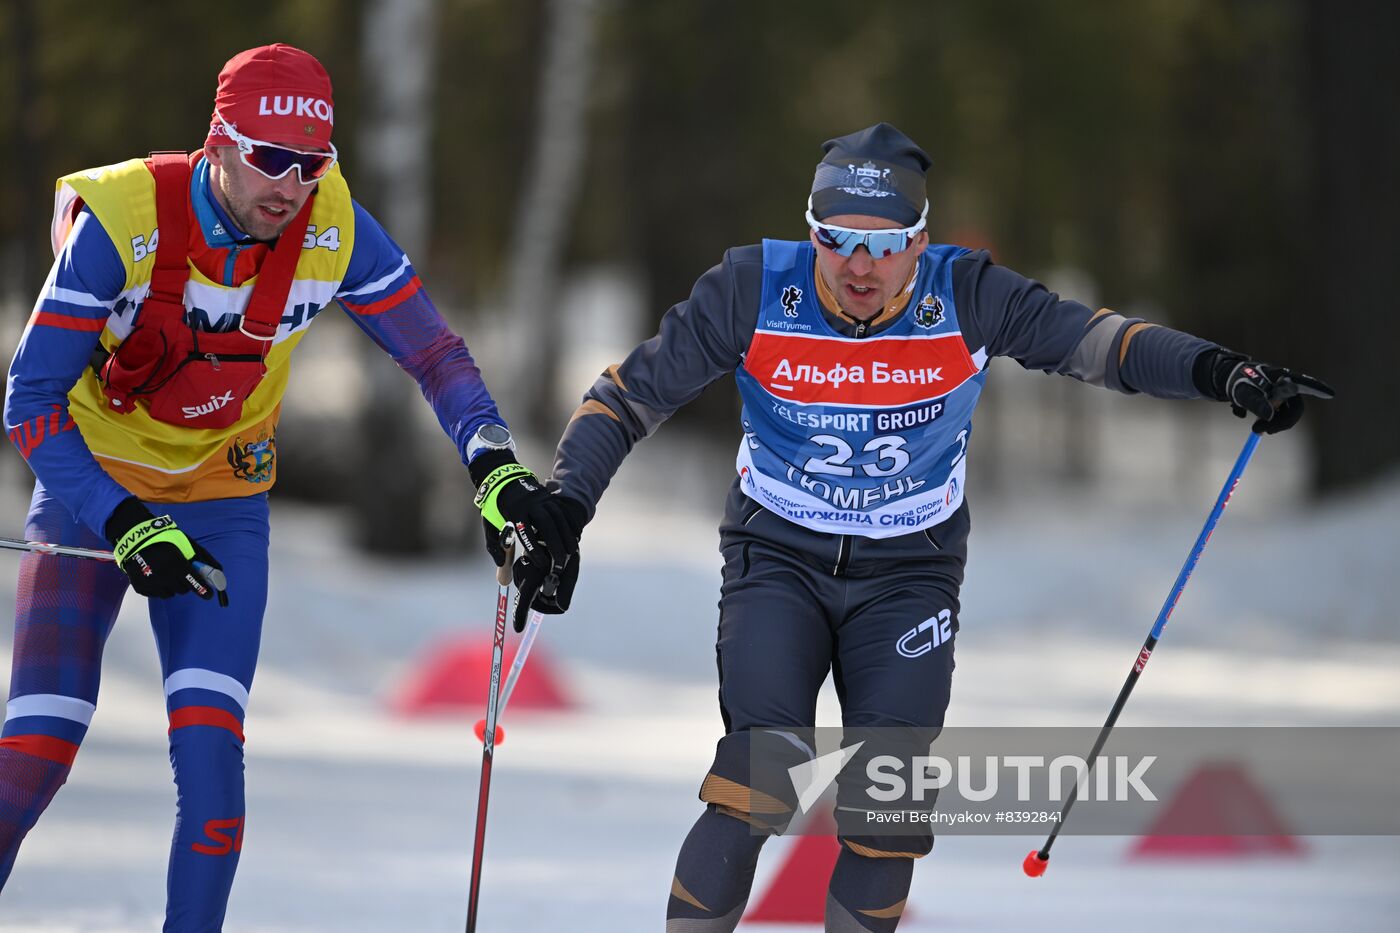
x: 273, y: 161
x: 843, y: 241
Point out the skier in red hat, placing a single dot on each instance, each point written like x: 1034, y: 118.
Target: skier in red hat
x: 145, y: 395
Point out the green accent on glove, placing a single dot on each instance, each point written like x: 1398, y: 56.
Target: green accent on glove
x: 154, y: 531
x: 490, y: 490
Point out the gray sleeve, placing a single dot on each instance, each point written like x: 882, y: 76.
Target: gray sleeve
x: 700, y: 340
x: 1003, y: 313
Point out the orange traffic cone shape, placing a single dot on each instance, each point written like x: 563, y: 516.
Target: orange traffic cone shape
x: 798, y: 891
x: 453, y: 677
x: 1217, y: 812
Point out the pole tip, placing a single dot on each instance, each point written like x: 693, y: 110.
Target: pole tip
x: 1035, y: 864
x: 480, y: 730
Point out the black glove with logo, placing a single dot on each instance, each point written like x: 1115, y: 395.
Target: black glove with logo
x: 542, y: 586
x: 160, y: 559
x: 1272, y: 394
x: 547, y: 527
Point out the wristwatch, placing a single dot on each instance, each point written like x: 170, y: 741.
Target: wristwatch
x: 489, y: 437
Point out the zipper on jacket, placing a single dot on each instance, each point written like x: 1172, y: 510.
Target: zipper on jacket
x: 861, y: 328
x: 843, y: 555
x: 229, y: 264
x: 217, y: 359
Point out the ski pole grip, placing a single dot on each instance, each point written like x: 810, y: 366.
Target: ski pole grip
x: 503, y: 572
x: 212, y: 575
x: 215, y: 578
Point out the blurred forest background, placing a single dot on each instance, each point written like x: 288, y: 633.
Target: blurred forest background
x: 561, y: 171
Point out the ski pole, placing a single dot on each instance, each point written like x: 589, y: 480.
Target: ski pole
x: 212, y: 575
x: 488, y: 743
x: 1037, y: 861
x: 532, y: 629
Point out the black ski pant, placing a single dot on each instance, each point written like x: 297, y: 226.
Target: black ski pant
x: 879, y: 615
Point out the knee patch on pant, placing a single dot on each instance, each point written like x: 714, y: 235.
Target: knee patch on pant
x: 911, y: 847
x: 906, y: 832
x: 762, y: 796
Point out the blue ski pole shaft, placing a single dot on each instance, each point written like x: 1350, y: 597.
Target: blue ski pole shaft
x: 1035, y: 862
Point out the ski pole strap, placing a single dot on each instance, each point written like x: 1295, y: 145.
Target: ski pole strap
x: 490, y: 490
x: 151, y: 532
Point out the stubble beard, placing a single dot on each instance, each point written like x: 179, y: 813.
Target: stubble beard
x: 247, y: 216
x: 255, y: 226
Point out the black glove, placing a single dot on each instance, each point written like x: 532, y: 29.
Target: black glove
x: 539, y: 582
x: 1271, y: 393
x: 542, y: 588
x: 508, y: 493
x: 160, y: 559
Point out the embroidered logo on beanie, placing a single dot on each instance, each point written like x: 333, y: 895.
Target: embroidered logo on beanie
x: 877, y: 171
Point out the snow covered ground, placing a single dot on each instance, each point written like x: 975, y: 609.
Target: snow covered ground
x: 360, y: 821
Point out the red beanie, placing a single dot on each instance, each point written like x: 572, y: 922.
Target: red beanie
x: 275, y: 93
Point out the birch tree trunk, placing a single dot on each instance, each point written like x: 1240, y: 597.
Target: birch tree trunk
x: 393, y: 166
x: 553, y: 178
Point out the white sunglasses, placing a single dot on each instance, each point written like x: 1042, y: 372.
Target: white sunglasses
x: 843, y: 241
x: 273, y: 161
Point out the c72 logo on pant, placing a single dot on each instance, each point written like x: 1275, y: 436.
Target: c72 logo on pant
x: 927, y: 635
x: 223, y: 843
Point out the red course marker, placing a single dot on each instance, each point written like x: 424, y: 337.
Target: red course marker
x: 480, y: 730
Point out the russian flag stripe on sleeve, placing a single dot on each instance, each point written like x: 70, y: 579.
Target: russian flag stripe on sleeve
x: 406, y: 291
x: 71, y: 296
x: 43, y: 746
x: 378, y: 250
x: 68, y: 321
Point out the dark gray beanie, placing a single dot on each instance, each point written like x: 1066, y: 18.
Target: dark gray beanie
x: 876, y: 172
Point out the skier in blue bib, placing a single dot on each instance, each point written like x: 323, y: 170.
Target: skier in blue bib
x: 860, y: 355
